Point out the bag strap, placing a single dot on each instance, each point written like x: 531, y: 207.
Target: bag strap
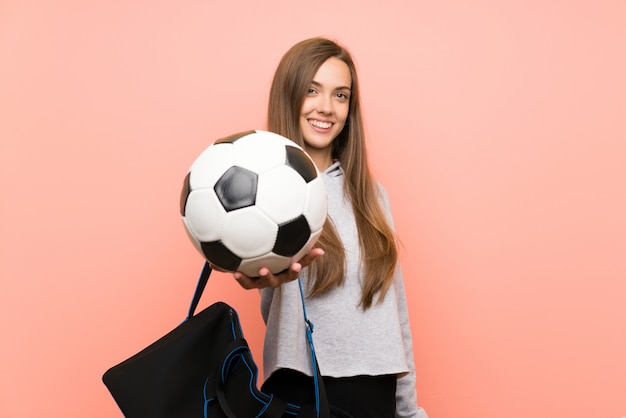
x: 322, y: 408
x: 321, y: 400
x: 202, y: 281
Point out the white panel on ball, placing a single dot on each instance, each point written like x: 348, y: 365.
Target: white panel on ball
x: 205, y: 215
x: 316, y: 204
x: 283, y: 203
x: 210, y: 165
x: 191, y: 236
x: 259, y: 155
x: 248, y: 232
x: 276, y: 263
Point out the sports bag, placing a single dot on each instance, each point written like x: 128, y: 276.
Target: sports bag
x: 203, y: 369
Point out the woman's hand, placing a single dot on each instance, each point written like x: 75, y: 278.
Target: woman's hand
x: 267, y: 279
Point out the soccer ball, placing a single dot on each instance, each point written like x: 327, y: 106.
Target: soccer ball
x: 254, y: 199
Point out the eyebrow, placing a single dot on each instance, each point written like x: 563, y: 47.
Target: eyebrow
x: 317, y: 84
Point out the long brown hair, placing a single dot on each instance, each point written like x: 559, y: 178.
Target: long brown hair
x: 377, y: 242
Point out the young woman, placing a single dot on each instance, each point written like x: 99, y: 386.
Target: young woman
x: 355, y: 292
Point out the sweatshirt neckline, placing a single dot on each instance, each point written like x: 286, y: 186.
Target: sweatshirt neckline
x: 334, y: 170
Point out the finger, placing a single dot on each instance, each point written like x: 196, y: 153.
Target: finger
x: 312, y: 255
x: 294, y: 271
x: 247, y: 282
x: 268, y: 279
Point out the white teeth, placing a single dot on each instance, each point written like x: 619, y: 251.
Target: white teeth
x: 322, y: 125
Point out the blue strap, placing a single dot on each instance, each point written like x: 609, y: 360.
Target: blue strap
x: 320, y: 397
x: 202, y: 281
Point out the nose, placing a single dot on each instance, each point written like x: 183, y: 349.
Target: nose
x: 325, y: 104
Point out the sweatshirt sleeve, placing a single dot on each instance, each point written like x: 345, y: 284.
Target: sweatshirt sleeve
x: 406, y: 393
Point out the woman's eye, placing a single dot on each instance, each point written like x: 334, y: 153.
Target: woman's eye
x: 310, y: 90
x: 342, y: 96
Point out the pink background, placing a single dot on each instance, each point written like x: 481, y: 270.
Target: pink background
x: 498, y: 128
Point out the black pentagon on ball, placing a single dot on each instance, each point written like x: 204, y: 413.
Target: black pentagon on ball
x: 299, y: 161
x: 236, y: 188
x: 217, y: 253
x: 184, y: 194
x: 292, y: 236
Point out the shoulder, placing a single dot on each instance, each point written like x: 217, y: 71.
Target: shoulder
x: 383, y: 200
x: 382, y: 195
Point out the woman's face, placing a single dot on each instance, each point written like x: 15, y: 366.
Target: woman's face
x: 325, y: 110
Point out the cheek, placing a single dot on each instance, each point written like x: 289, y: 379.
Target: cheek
x: 344, y: 113
x: 307, y: 107
x: 302, y: 116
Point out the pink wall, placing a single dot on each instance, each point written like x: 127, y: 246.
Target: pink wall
x: 498, y: 128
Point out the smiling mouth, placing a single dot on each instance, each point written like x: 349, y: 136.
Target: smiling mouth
x: 320, y: 124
